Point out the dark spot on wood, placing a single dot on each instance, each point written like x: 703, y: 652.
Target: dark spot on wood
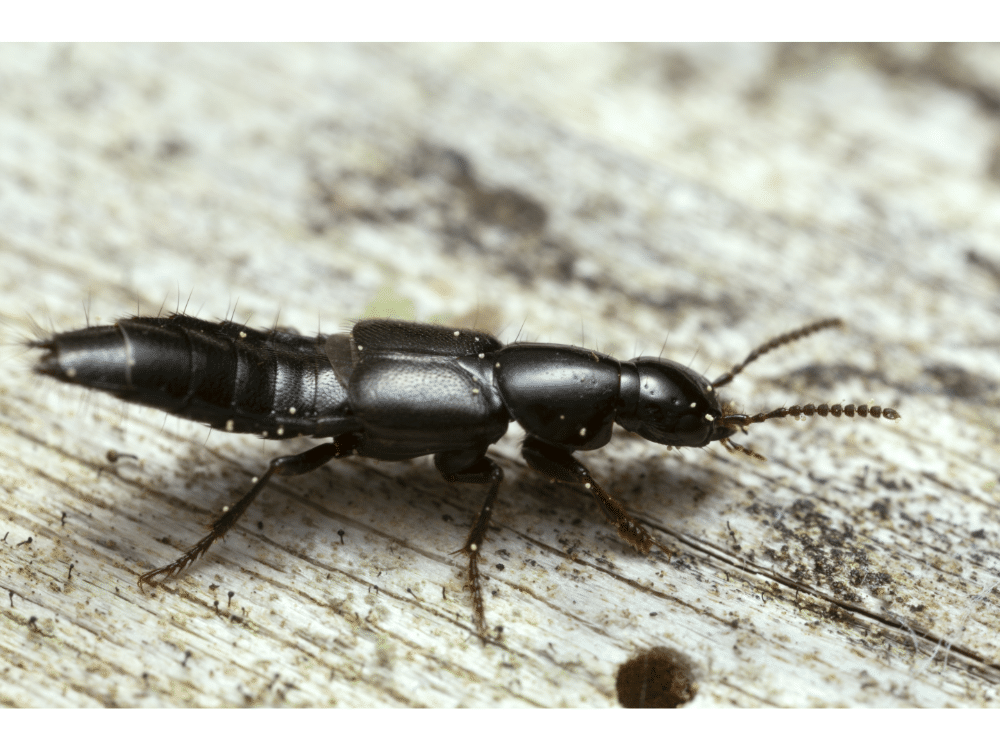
x: 657, y: 678
x: 960, y: 383
x: 972, y: 256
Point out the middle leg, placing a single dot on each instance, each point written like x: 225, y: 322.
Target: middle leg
x: 456, y: 466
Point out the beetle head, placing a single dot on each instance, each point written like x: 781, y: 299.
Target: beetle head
x: 675, y: 406
x: 672, y: 405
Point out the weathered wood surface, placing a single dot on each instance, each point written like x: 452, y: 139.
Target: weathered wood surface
x: 612, y: 195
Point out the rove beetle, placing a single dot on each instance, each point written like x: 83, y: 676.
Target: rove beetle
x: 395, y: 390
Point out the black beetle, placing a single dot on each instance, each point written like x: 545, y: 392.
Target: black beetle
x: 395, y: 390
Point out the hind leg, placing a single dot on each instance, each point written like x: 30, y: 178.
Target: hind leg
x: 301, y: 463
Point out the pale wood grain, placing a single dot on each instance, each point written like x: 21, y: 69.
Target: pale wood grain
x: 719, y: 195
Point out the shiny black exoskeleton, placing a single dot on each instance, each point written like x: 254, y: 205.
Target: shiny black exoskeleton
x: 395, y: 390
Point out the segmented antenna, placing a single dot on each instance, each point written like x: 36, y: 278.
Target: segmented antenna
x: 774, y: 343
x: 810, y: 410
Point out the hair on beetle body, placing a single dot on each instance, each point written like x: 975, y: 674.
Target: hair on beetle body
x: 395, y: 390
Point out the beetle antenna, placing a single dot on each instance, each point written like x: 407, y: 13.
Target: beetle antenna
x: 810, y: 410
x: 774, y: 343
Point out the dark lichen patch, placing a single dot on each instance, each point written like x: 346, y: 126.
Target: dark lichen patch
x: 881, y: 508
x: 903, y: 485
x: 827, y: 377
x: 438, y: 189
x: 939, y: 64
x: 945, y: 379
x: 982, y: 263
x: 960, y: 383
x: 818, y: 552
x: 679, y: 71
x: 657, y: 678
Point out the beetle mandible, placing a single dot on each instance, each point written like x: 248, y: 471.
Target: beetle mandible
x: 395, y: 390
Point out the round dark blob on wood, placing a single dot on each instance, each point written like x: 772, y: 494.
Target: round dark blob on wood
x: 656, y: 678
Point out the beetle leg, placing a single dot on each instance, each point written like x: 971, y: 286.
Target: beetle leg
x: 292, y: 465
x: 481, y: 471
x: 559, y: 464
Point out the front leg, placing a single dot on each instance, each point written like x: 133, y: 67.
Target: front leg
x: 559, y: 464
x: 474, y: 468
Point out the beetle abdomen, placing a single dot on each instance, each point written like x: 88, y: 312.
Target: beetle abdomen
x: 234, y: 378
